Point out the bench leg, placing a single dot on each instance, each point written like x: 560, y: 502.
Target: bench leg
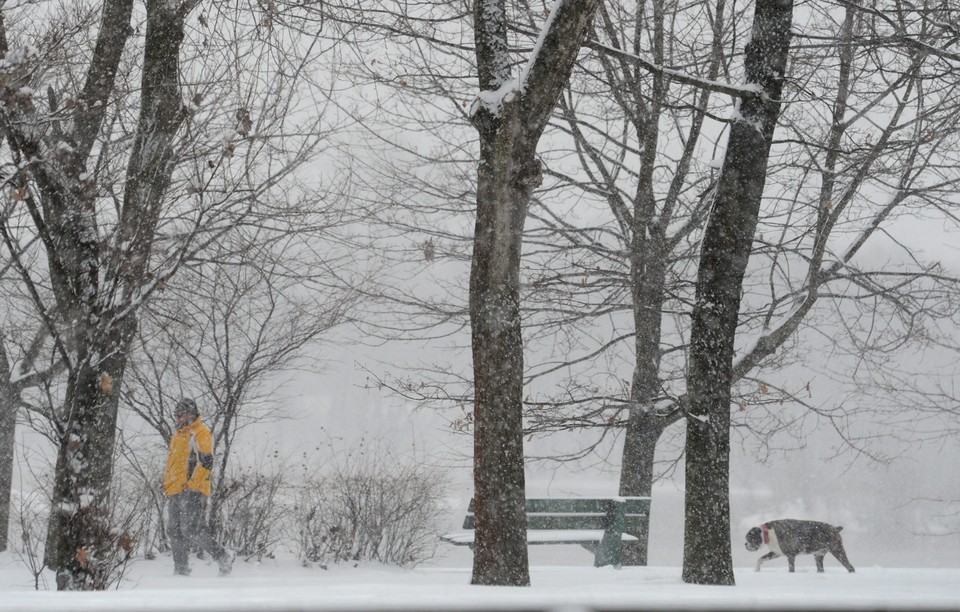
x: 608, y: 551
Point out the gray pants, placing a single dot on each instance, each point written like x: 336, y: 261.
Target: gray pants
x: 187, y: 526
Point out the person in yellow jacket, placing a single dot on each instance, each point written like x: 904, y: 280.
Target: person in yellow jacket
x: 187, y: 485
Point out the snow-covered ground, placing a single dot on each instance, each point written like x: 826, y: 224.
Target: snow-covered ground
x: 285, y: 585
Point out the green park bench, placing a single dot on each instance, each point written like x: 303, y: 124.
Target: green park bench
x: 596, y: 524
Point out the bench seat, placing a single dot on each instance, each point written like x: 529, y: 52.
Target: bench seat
x: 599, y: 525
x: 544, y: 536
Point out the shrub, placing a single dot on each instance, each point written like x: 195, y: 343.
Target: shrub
x: 28, y: 527
x: 248, y: 517
x: 381, y: 509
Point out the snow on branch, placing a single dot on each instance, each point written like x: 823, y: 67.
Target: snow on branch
x: 538, y: 46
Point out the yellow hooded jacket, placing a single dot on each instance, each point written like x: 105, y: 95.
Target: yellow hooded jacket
x: 190, y: 460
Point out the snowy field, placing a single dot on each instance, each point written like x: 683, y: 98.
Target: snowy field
x: 284, y: 585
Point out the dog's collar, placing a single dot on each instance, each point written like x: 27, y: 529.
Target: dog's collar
x: 766, y: 534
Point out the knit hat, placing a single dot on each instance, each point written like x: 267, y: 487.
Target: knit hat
x: 186, y: 406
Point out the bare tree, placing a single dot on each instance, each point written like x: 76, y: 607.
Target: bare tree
x: 510, y: 116
x: 227, y: 334
x: 820, y: 248
x: 725, y: 248
x: 96, y: 298
x: 90, y: 256
x: 638, y: 262
x: 26, y: 360
x: 583, y: 280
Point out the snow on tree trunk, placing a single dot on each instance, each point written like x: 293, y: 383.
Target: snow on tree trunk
x: 510, y: 117
x: 80, y: 541
x: 724, y: 252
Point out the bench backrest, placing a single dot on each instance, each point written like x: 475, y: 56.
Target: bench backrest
x: 579, y: 513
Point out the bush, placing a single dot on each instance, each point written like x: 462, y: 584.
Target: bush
x: 28, y: 528
x: 139, y: 500
x: 382, y: 509
x: 248, y: 518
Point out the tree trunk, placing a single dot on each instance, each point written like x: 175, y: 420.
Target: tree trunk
x: 644, y: 427
x: 509, y: 124
x: 80, y: 538
x: 507, y: 176
x: 9, y: 403
x: 724, y: 253
x: 636, y: 474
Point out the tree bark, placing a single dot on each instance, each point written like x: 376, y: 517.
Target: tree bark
x: 636, y: 474
x: 725, y: 250
x: 644, y: 427
x: 9, y: 403
x: 79, y: 533
x: 504, y: 188
x: 509, y: 125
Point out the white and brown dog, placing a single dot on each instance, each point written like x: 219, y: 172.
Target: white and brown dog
x: 790, y: 537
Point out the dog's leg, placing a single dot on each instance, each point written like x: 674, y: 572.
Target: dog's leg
x: 841, y: 556
x: 766, y: 557
x: 819, y: 557
x: 790, y: 561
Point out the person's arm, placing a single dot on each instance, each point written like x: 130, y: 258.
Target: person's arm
x: 201, y: 473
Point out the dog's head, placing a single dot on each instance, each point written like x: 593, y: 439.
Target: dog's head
x: 754, y: 539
